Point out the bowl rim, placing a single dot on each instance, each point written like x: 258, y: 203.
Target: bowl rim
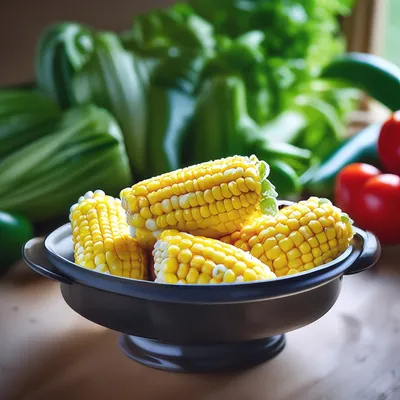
x: 194, y: 293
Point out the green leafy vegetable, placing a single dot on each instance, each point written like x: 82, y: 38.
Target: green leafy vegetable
x: 25, y: 115
x: 62, y: 50
x: 167, y: 32
x: 112, y: 79
x: 85, y: 152
x: 169, y: 112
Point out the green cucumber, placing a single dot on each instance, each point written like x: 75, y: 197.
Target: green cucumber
x: 362, y: 147
x: 378, y: 77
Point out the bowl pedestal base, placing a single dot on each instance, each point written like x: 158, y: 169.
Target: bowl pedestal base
x: 200, y: 358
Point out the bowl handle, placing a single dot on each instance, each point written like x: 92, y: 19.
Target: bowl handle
x: 370, y: 251
x: 34, y: 254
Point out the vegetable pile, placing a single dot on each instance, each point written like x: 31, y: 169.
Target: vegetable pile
x: 193, y: 82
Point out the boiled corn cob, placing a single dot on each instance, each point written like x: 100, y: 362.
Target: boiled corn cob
x: 210, y: 199
x: 303, y: 236
x: 101, y: 237
x: 186, y: 259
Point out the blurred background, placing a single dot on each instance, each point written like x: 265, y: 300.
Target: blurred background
x: 374, y: 26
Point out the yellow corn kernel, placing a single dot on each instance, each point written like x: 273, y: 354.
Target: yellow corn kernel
x: 280, y: 262
x: 286, y: 244
x: 249, y: 275
x: 305, y: 248
x: 205, y: 261
x: 257, y: 251
x: 293, y: 254
x: 324, y: 247
x: 101, y: 238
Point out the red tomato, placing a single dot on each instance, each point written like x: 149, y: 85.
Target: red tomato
x: 348, y: 185
x: 389, y: 144
x: 379, y: 207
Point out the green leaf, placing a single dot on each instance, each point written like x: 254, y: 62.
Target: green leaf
x: 85, y: 152
x: 169, y: 113
x: 269, y: 206
x: 112, y: 79
x: 63, y: 49
x: 172, y: 31
x: 25, y: 115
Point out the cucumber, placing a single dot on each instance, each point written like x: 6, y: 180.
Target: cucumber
x: 379, y: 78
x: 362, y: 147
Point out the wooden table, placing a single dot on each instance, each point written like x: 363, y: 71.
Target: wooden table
x: 47, y: 351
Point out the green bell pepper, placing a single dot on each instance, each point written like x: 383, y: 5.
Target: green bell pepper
x: 15, y: 231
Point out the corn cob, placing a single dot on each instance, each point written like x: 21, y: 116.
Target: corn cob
x: 210, y: 199
x: 303, y: 236
x: 186, y: 259
x: 101, y: 237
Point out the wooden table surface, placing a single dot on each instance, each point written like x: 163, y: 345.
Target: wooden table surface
x: 47, y: 351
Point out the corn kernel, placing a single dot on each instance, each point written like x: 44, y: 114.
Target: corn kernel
x: 282, y: 228
x: 286, y: 244
x: 324, y: 247
x: 293, y: 254
x: 274, y: 253
x: 171, y: 265
x: 183, y: 270
x: 306, y: 232
x: 297, y: 238
x: 305, y: 248
x: 239, y: 268
x: 309, y: 265
x: 318, y: 261
x: 280, y: 262
x: 321, y: 237
x: 218, y: 257
x: 192, y: 276
x: 269, y: 243
x: 185, y: 256
x: 197, y: 261
x: 249, y: 275
x: 332, y: 243
x: 296, y: 263
x: 313, y: 242
x: 306, y: 258
x: 282, y: 271
x: 203, y: 279
x: 316, y: 226
x: 292, y: 272
x: 316, y: 252
x: 254, y: 240
x: 293, y: 224
x: 197, y: 248
x: 257, y: 250
x: 229, y: 276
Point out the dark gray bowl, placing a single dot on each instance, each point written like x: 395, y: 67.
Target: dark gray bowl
x: 193, y: 328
